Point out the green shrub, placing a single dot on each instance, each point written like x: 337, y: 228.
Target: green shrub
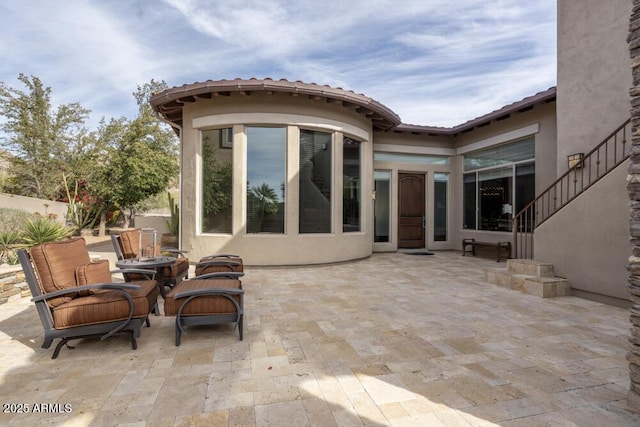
x: 41, y: 230
x: 11, y: 219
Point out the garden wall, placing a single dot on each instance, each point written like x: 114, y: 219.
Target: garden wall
x: 33, y: 205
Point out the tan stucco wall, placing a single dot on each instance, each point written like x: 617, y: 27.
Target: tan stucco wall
x: 291, y: 247
x: 594, y: 73
x: 594, y: 77
x: 587, y: 240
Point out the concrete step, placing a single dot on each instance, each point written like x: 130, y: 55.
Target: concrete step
x: 547, y: 287
x: 532, y: 268
x: 543, y: 287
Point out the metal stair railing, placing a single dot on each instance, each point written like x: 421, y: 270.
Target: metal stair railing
x: 597, y: 163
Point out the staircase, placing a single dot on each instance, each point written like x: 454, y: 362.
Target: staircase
x: 529, y: 277
x: 586, y: 171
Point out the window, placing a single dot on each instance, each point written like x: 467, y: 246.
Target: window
x: 351, y: 185
x: 315, y: 182
x: 503, y: 182
x: 217, y: 170
x: 411, y: 158
x: 495, y: 199
x: 440, y: 184
x: 266, y: 176
x: 381, y: 205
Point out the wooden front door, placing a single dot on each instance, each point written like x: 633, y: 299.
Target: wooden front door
x: 411, y: 210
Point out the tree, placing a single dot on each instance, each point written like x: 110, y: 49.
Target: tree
x: 142, y: 156
x: 44, y: 142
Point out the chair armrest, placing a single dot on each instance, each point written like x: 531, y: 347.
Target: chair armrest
x: 204, y: 292
x: 222, y: 275
x: 173, y: 250
x: 76, y: 289
x: 217, y: 262
x: 132, y: 270
x: 218, y: 256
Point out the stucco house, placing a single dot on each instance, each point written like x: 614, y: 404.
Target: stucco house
x: 289, y: 173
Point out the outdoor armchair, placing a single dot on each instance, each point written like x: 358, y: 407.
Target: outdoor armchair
x: 219, y: 263
x: 126, y: 245
x: 76, y: 298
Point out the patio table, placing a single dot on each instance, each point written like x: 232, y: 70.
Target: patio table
x: 156, y: 263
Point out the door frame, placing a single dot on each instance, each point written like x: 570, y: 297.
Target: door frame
x: 424, y: 222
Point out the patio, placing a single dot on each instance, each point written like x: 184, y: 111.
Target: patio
x: 394, y: 339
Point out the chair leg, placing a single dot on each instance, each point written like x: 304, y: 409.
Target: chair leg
x: 147, y: 322
x: 177, y: 336
x: 134, y: 343
x: 240, y: 326
x: 47, y: 342
x: 62, y: 342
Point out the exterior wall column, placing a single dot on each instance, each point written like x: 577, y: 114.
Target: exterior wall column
x: 633, y: 188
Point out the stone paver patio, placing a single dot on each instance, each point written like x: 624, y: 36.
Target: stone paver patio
x: 395, y: 339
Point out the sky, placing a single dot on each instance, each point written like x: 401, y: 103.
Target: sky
x: 432, y: 62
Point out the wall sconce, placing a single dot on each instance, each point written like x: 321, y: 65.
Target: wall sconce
x: 575, y: 160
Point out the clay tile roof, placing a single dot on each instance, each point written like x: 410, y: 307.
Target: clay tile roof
x: 523, y: 105
x: 169, y: 103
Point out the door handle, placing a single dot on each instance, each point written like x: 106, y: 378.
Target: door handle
x: 424, y: 222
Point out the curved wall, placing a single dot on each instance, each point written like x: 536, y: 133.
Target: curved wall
x: 294, y: 113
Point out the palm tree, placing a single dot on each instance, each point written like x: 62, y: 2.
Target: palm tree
x: 261, y: 200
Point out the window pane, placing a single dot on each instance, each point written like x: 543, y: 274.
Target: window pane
x: 469, y: 201
x: 381, y: 205
x: 440, y: 181
x: 525, y: 189
x: 266, y: 175
x: 501, y: 155
x: 315, y: 182
x: 217, y: 193
x: 496, y: 207
x: 351, y: 185
x: 411, y: 158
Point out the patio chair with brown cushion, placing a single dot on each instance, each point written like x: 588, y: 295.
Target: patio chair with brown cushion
x: 218, y: 298
x: 126, y: 245
x: 220, y: 263
x: 76, y: 298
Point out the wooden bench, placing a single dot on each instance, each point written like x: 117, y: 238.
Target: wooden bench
x: 498, y: 245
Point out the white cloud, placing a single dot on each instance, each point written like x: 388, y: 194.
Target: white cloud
x: 432, y: 62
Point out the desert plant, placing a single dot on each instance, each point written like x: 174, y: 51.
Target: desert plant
x: 41, y: 230
x: 9, y: 241
x: 174, y: 221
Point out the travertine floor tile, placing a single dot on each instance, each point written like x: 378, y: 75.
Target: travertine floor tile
x: 393, y: 340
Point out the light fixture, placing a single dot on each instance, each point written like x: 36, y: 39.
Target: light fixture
x: 575, y: 160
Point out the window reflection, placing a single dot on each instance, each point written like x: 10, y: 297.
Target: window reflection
x: 266, y: 176
x: 315, y: 182
x: 440, y: 182
x: 351, y: 185
x: 382, y: 205
x: 217, y: 171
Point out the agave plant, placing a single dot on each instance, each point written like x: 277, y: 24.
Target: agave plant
x: 9, y: 240
x: 41, y: 230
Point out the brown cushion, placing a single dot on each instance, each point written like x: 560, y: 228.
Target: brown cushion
x: 170, y: 272
x: 205, y: 305
x: 56, y: 263
x: 94, y: 272
x: 129, y: 242
x: 201, y: 268
x: 105, y: 306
